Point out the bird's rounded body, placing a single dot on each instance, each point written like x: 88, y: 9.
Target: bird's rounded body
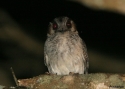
x: 65, y: 52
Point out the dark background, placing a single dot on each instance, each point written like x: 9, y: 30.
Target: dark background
x: 102, y: 31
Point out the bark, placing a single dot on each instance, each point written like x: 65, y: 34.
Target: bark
x: 75, y: 81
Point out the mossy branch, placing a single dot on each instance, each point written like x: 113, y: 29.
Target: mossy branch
x: 75, y: 81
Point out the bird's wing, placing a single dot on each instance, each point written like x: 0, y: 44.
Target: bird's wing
x: 86, y: 59
x: 45, y: 56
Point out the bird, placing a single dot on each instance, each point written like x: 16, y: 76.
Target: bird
x: 64, y: 50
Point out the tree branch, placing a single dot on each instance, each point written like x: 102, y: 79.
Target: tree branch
x: 75, y: 81
x: 111, y: 5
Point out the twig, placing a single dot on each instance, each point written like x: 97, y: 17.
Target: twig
x: 15, y: 79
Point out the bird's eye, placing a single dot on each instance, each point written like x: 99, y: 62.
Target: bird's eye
x: 55, y: 26
x: 68, y: 24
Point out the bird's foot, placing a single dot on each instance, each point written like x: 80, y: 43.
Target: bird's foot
x: 71, y: 73
x: 50, y: 73
x: 47, y: 73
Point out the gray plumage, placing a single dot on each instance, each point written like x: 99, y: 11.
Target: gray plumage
x: 64, y: 50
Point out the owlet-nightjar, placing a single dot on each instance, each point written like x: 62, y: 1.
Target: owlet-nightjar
x: 64, y: 50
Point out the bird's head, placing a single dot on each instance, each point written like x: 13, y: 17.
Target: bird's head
x: 61, y: 24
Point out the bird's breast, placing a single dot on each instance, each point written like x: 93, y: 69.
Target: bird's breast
x: 64, y: 45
